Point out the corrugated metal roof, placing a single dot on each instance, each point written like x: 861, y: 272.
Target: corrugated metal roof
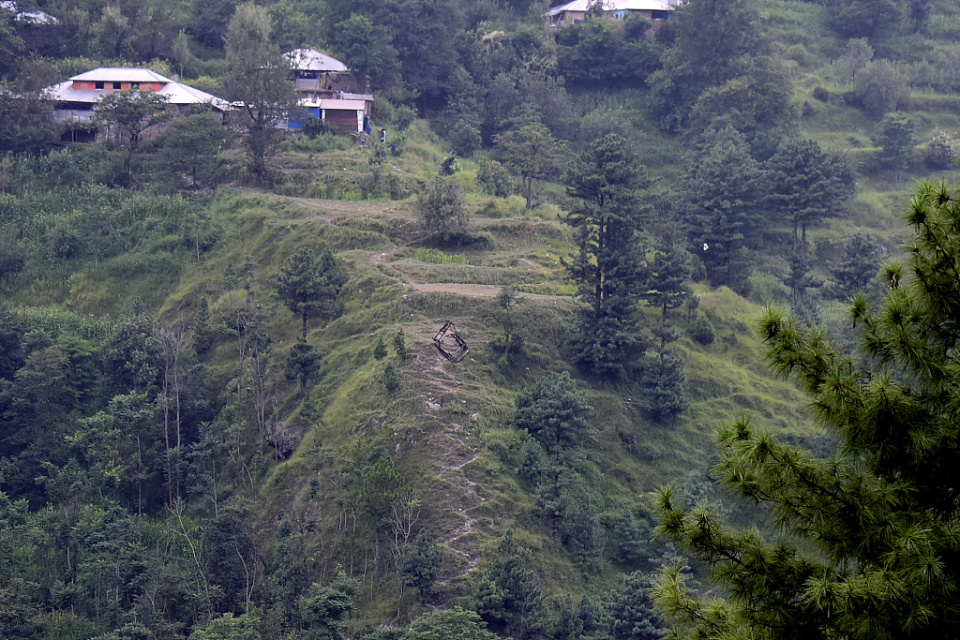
x: 613, y: 5
x: 335, y: 104
x: 356, y: 96
x: 115, y: 74
x: 184, y: 94
x: 33, y: 17
x: 176, y: 92
x: 313, y: 60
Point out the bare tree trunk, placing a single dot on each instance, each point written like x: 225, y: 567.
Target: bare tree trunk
x: 260, y: 359
x: 240, y: 323
x: 172, y: 340
x: 176, y: 512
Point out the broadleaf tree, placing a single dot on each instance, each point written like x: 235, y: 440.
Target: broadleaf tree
x: 866, y: 541
x: 191, y: 144
x: 715, y: 42
x: 257, y: 76
x: 530, y: 150
x: 440, y: 211
x: 130, y: 114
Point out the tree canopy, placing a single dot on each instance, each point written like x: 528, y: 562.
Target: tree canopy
x: 309, y: 284
x: 257, y: 76
x: 866, y: 540
x: 530, y: 150
x: 611, y: 203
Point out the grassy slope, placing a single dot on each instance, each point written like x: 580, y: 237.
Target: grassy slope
x: 458, y: 454
x: 448, y: 425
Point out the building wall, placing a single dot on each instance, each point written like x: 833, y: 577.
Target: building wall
x: 112, y: 86
x: 346, y: 120
x: 567, y: 18
x: 328, y: 84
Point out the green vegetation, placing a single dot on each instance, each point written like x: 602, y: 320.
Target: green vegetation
x: 223, y: 412
x: 436, y: 256
x: 857, y: 531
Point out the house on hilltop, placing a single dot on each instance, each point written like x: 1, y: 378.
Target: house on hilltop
x: 76, y: 99
x: 329, y: 91
x: 576, y: 12
x: 29, y: 17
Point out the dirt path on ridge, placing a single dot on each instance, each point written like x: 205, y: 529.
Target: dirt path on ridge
x: 462, y: 289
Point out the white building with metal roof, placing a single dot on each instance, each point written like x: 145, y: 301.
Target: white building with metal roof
x: 576, y: 11
x: 29, y: 17
x: 77, y: 97
x: 313, y: 60
x: 328, y: 90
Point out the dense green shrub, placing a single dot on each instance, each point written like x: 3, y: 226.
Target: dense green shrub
x: 880, y: 87
x: 941, y: 151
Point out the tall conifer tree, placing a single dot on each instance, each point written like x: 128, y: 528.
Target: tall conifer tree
x: 610, y: 188
x: 720, y: 200
x: 867, y: 543
x: 309, y: 284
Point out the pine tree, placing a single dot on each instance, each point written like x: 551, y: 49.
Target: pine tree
x: 507, y: 594
x: 568, y: 625
x: 666, y: 289
x: 630, y: 613
x: 400, y: 345
x: 203, y: 333
x: 865, y: 543
x: 555, y: 411
x: 664, y: 379
x: 666, y: 278
x: 610, y: 188
x: 859, y: 264
x: 380, y: 349
x: 421, y: 566
x: 628, y: 540
x: 325, y: 608
x: 721, y: 203
x: 309, y: 284
x: 303, y: 362
x: 799, y: 280
x: 391, y: 381
x: 808, y: 185
x: 897, y: 139
x: 590, y: 616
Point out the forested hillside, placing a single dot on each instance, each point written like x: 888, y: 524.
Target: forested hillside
x: 224, y: 414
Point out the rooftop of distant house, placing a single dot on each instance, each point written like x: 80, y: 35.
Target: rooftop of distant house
x: 615, y: 5
x: 313, y: 60
x: 32, y: 17
x: 91, y: 86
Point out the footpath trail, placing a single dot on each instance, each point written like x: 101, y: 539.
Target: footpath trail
x: 453, y: 441
x: 331, y: 210
x: 458, y: 288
